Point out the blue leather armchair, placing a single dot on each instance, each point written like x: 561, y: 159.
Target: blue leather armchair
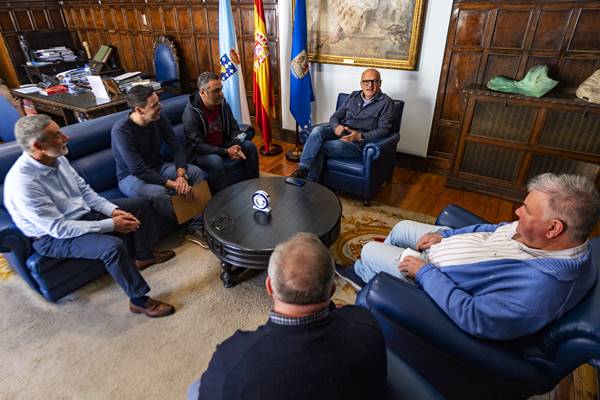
x: 461, y: 366
x: 166, y: 66
x: 363, y: 176
x: 9, y: 117
x: 90, y: 154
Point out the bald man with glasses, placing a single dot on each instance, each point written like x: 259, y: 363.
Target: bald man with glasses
x: 366, y: 114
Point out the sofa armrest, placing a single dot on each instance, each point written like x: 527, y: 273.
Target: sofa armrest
x: 11, y: 237
x: 457, y: 217
x: 406, y: 309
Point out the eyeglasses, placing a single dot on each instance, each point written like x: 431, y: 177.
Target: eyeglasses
x: 368, y: 82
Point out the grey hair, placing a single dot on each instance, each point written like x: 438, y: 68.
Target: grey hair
x: 30, y: 129
x: 301, y: 270
x: 574, y: 200
x: 206, y: 77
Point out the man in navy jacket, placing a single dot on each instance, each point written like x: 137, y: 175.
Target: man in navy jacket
x: 308, y: 349
x: 213, y: 136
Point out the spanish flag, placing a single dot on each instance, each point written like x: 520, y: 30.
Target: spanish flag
x: 261, y: 77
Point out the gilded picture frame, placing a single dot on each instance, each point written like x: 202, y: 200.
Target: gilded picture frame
x: 373, y: 33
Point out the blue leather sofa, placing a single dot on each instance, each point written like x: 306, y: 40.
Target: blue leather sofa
x: 91, y: 155
x: 9, y: 116
x: 461, y: 366
x: 363, y: 176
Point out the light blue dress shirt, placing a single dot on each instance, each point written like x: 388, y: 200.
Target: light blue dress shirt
x: 45, y: 200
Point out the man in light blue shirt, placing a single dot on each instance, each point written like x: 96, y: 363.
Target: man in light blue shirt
x: 65, y: 218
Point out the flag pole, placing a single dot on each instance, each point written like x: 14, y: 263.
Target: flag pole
x: 294, y: 155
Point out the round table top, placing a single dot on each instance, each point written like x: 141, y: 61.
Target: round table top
x: 231, y: 220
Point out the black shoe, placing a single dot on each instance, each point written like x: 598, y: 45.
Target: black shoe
x: 299, y: 173
x: 348, y: 274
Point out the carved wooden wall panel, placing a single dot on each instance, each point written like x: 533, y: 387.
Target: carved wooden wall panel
x: 193, y: 25
x: 25, y: 17
x: 489, y: 38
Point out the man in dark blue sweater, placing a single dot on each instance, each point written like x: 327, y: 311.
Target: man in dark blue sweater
x: 366, y: 114
x: 308, y: 349
x: 141, y: 168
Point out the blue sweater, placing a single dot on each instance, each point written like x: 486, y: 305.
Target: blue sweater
x: 137, y: 149
x: 505, y: 299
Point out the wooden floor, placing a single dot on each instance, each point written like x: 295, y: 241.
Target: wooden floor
x: 427, y: 193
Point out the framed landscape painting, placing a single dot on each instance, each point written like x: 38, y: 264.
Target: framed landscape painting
x: 374, y: 33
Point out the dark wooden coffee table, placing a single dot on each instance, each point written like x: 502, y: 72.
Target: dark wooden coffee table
x: 243, y: 237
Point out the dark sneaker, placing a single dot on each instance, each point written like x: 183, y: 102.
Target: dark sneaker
x: 198, y: 238
x: 299, y: 173
x: 348, y: 274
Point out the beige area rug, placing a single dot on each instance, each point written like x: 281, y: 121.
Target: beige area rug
x: 88, y: 346
x: 363, y: 224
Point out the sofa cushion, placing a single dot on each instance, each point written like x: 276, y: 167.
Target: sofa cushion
x: 350, y: 166
x: 90, y: 136
x: 173, y: 108
x: 98, y: 169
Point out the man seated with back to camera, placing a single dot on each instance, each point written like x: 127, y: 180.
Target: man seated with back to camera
x: 213, y: 136
x: 500, y: 281
x: 308, y: 349
x: 366, y: 114
x: 142, y: 169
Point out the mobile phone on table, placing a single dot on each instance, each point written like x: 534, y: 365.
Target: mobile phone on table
x: 295, y: 181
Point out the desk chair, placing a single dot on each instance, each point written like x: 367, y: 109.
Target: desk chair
x: 364, y: 175
x: 166, y: 66
x: 461, y: 366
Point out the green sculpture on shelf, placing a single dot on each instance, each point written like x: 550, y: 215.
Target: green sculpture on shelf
x: 536, y: 83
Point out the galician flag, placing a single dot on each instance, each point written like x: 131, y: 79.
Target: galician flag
x: 261, y: 76
x: 231, y: 70
x: 301, y: 93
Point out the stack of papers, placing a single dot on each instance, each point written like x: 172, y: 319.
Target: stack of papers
x: 59, y: 53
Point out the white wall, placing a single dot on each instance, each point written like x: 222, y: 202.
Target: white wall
x: 417, y: 88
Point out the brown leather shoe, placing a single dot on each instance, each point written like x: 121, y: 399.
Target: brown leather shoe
x: 153, y: 309
x: 157, y: 258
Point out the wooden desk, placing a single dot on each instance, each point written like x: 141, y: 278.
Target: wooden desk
x: 73, y: 108
x: 34, y: 71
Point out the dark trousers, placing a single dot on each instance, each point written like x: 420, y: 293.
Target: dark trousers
x: 112, y: 249
x: 215, y: 166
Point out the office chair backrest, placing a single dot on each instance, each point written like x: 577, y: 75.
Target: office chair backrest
x: 166, y: 62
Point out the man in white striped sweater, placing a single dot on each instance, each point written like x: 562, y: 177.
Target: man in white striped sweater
x: 506, y: 280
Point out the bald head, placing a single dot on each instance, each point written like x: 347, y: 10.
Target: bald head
x: 370, y: 82
x: 301, y: 270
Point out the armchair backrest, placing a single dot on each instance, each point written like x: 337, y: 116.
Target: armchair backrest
x: 166, y: 62
x: 398, y: 109
x: 574, y: 338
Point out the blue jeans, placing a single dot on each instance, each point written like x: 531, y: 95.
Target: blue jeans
x: 322, y: 142
x: 112, y: 249
x: 377, y: 257
x: 215, y: 166
x: 160, y: 196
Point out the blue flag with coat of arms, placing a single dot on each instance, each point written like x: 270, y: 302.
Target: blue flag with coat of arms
x: 301, y: 93
x: 231, y: 70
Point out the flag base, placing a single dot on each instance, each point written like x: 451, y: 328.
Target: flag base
x: 293, y: 155
x: 272, y: 151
